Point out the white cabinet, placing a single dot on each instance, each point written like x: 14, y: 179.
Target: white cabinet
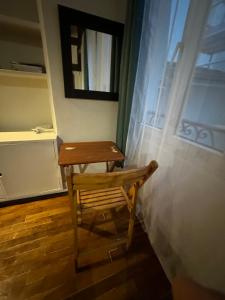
x: 29, y: 168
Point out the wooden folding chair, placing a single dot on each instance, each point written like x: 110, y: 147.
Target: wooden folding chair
x: 103, y: 191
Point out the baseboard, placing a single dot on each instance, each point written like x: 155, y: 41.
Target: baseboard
x: 31, y: 199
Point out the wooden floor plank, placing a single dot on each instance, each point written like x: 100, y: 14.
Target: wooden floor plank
x: 37, y: 259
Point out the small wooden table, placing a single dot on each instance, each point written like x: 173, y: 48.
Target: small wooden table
x: 85, y: 153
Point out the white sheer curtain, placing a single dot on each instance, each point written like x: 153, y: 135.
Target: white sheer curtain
x: 181, y: 78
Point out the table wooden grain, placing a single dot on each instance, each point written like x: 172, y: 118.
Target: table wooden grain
x: 89, y: 152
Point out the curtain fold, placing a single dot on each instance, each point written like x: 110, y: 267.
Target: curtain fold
x: 183, y: 205
x: 150, y: 68
x: 130, y: 51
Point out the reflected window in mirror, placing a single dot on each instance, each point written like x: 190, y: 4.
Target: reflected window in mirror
x: 91, y: 52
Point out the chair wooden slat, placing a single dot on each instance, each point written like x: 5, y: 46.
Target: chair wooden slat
x: 102, y: 198
x: 90, y: 192
x: 101, y: 194
x: 96, y: 204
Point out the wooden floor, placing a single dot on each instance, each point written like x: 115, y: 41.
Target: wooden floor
x: 36, y: 258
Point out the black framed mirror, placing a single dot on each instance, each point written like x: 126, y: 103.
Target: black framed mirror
x: 91, y: 55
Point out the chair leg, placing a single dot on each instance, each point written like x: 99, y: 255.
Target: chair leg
x: 75, y: 248
x: 76, y: 265
x: 79, y: 217
x: 75, y: 226
x: 130, y: 230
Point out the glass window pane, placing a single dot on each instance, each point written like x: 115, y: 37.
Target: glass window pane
x: 203, y: 117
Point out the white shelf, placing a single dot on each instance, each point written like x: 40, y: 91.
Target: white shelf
x: 14, y: 73
x: 7, y: 20
x: 20, y: 31
x: 24, y: 136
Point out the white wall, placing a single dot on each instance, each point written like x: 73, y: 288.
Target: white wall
x: 77, y: 119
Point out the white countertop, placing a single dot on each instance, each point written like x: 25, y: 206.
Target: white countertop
x: 25, y: 74
x: 23, y: 136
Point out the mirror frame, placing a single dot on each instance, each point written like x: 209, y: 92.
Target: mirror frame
x: 67, y: 18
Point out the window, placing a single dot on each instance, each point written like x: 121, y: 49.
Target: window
x: 203, y: 117
x: 157, y: 105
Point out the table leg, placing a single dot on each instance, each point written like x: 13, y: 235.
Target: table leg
x: 82, y: 168
x: 68, y: 170
x: 110, y: 166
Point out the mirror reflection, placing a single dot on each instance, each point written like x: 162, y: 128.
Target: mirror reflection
x: 95, y: 60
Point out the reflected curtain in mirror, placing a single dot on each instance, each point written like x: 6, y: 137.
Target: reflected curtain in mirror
x: 94, y: 60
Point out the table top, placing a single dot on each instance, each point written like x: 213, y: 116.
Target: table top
x: 88, y: 152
